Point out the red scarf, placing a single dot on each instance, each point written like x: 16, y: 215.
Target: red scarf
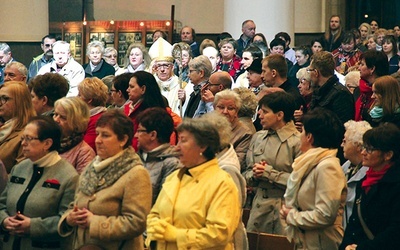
x: 373, y: 177
x: 364, y: 101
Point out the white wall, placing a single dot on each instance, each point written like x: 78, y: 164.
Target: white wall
x: 23, y: 20
x: 206, y: 16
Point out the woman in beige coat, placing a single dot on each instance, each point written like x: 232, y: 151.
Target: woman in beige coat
x: 113, y: 196
x: 316, y: 189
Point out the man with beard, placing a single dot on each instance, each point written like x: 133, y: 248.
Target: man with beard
x: 44, y: 58
x: 332, y: 38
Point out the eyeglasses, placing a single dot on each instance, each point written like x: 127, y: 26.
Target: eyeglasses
x: 141, y: 131
x: 4, y: 99
x: 163, y: 66
x: 211, y: 84
x: 28, y: 139
x: 369, y: 149
x: 109, y: 56
x: 310, y: 70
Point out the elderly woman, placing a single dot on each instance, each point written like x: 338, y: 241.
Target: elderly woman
x: 228, y: 103
x: 207, y: 220
x: 352, y: 80
x: 95, y: 93
x: 372, y: 65
x: 97, y: 66
x: 229, y: 61
x: 38, y: 191
x: 316, y: 189
x: 228, y: 161
x: 46, y: 90
x: 110, y: 55
x: 374, y: 221
x: 137, y: 58
x: 113, y: 196
x: 119, y: 95
x: 353, y: 168
x: 15, y: 110
x: 386, y: 107
x: 371, y: 42
x: 72, y: 114
x: 249, y: 107
x: 306, y: 92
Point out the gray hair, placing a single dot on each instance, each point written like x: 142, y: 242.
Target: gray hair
x: 355, y: 131
x: 61, y: 43
x: 221, y: 124
x: 19, y: 66
x: 108, y: 50
x: 229, y: 95
x: 353, y: 77
x: 249, y: 102
x: 95, y: 44
x: 204, y: 134
x: 5, y: 48
x: 202, y: 63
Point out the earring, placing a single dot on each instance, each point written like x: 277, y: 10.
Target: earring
x: 201, y: 153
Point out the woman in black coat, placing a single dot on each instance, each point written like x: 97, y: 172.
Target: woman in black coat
x: 378, y: 194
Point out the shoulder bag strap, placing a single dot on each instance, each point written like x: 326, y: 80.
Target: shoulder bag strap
x: 364, y: 226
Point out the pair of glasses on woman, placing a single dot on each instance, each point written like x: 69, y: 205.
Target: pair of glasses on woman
x: 369, y: 149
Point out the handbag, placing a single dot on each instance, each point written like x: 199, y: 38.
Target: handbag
x: 368, y: 232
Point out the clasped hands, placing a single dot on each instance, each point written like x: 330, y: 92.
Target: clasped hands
x: 18, y: 224
x: 161, y: 230
x: 79, y: 217
x: 259, y: 168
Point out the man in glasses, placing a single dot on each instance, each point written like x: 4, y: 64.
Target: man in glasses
x: 5, y: 58
x: 44, y: 58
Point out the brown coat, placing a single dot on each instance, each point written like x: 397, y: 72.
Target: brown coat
x: 120, y: 211
x: 11, y: 150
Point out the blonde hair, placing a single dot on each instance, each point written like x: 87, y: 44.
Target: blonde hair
x: 93, y: 90
x: 21, y: 97
x: 142, y: 48
x: 249, y: 102
x: 77, y: 112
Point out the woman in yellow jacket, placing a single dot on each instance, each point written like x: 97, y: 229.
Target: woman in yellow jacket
x: 198, y: 207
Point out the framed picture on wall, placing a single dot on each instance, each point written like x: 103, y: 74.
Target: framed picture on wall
x: 109, y: 37
x: 149, y: 38
x: 94, y: 37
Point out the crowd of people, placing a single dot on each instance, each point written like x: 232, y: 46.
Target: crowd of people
x: 166, y: 151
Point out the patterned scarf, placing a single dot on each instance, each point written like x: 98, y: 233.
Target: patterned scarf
x: 93, y: 181
x: 70, y: 141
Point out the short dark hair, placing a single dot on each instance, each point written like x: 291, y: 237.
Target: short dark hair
x: 277, y: 42
x: 385, y: 138
x: 121, y: 83
x: 163, y: 34
x: 348, y: 36
x: 305, y: 50
x: 53, y: 86
x: 119, y: 123
x: 280, y: 101
x: 47, y: 128
x: 157, y: 119
x: 222, y: 36
x: 325, y: 126
x: 49, y: 36
x: 377, y: 59
x: 284, y: 35
x: 205, y: 135
x: 254, y: 50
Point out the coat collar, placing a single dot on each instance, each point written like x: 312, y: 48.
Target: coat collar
x: 286, y: 131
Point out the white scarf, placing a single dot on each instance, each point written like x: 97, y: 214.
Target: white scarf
x: 302, y: 166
